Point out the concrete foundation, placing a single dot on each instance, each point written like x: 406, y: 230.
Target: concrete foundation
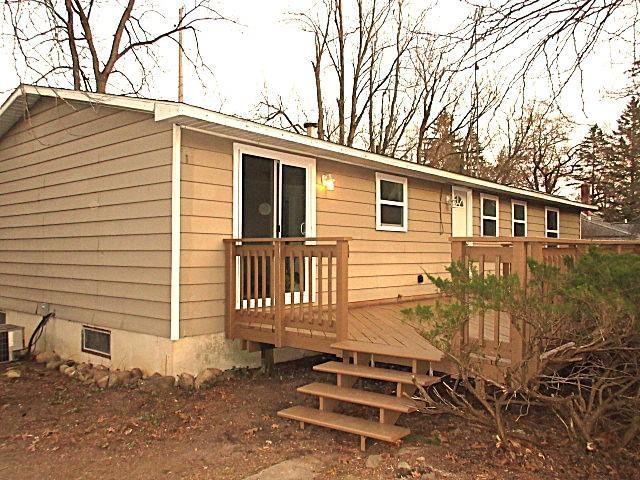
x: 147, y: 352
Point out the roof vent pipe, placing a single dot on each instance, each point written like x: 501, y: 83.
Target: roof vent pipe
x: 312, y: 129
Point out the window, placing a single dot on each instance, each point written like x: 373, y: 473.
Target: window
x: 488, y: 216
x: 96, y: 341
x: 391, y: 203
x: 518, y: 219
x: 552, y: 222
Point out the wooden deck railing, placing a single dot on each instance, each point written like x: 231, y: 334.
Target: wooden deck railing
x: 495, y: 334
x: 286, y: 287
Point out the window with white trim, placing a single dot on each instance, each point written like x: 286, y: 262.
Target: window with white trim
x: 488, y: 215
x: 518, y: 218
x: 391, y: 203
x: 552, y: 222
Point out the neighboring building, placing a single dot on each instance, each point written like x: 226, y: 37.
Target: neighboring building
x: 113, y: 211
x: 594, y: 227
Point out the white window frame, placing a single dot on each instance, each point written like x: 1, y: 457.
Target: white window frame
x: 514, y: 220
x: 546, y: 226
x: 404, y: 204
x: 309, y: 163
x: 484, y: 196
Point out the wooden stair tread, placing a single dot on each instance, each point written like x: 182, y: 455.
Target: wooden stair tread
x: 345, y: 423
x: 360, y: 397
x: 375, y: 373
x: 430, y: 355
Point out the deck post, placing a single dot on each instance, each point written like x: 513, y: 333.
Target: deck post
x: 278, y: 293
x: 519, y: 262
x: 342, y: 290
x: 230, y: 273
x: 457, y: 250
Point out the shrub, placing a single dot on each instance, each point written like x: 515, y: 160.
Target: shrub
x: 581, y: 355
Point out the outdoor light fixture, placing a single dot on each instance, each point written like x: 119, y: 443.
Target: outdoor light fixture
x: 328, y: 182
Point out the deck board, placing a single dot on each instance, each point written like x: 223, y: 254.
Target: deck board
x: 380, y: 325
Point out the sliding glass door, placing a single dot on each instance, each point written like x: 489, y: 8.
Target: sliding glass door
x: 274, y: 203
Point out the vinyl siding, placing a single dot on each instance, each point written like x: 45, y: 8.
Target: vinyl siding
x: 85, y: 216
x: 385, y: 264
x: 382, y: 265
x: 207, y: 216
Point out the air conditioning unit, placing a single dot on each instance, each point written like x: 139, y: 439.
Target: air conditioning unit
x: 11, y: 341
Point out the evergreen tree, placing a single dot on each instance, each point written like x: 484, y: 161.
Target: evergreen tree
x: 596, y: 167
x: 442, y: 147
x: 627, y: 162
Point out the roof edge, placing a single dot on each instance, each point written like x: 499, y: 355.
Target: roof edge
x: 167, y: 110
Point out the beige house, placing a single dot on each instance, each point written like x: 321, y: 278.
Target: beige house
x: 113, y: 212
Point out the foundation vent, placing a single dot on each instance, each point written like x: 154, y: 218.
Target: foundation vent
x: 96, y: 341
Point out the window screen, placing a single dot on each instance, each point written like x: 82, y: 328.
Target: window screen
x: 552, y: 223
x: 519, y: 219
x: 391, y: 203
x: 489, y: 213
x: 96, y: 341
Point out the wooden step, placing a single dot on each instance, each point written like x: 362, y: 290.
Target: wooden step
x: 345, y: 423
x: 360, y: 397
x: 432, y: 354
x: 375, y: 373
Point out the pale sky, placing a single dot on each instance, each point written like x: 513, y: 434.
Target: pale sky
x: 263, y: 48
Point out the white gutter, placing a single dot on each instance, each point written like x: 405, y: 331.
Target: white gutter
x: 175, y: 233
x: 165, y: 110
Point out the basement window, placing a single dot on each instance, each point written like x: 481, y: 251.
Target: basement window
x: 552, y: 222
x: 96, y: 341
x: 488, y: 215
x: 391, y: 203
x: 518, y: 219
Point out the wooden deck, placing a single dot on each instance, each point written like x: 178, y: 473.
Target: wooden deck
x: 384, y: 327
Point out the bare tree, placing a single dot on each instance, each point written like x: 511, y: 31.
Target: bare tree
x: 537, y: 154
x: 552, y: 36
x: 361, y: 59
x: 56, y: 41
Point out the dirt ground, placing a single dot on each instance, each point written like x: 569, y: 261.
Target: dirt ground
x: 53, y: 427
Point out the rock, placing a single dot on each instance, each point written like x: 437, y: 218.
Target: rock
x: 12, y: 373
x: 54, y: 364
x: 186, y: 381
x: 119, y: 377
x: 428, y: 476
x: 102, y: 382
x: 98, y: 372
x: 206, y: 377
x: 294, y: 469
x: 403, y: 469
x: 136, y: 374
x: 113, y: 380
x: 159, y: 382
x: 47, y: 356
x: 373, y: 461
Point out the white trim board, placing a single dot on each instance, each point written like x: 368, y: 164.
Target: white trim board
x: 175, y: 232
